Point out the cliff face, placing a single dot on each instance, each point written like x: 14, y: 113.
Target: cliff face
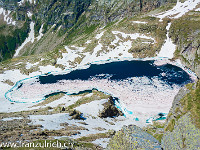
x: 182, y: 129
x: 133, y: 137
x: 185, y: 32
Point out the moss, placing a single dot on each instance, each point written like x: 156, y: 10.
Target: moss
x: 169, y: 115
x: 158, y: 137
x: 93, y: 137
x: 191, y: 103
x: 170, y: 126
x: 177, y: 110
x: 50, y: 99
x: 96, y: 96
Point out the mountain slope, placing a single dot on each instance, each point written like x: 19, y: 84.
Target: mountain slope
x: 69, y: 17
x: 42, y: 36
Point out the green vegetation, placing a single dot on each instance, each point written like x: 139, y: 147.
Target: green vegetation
x: 191, y: 103
x: 8, y: 43
x: 96, y: 96
x: 158, y: 137
x: 50, y: 99
x: 170, y: 126
x: 153, y: 130
x: 93, y: 137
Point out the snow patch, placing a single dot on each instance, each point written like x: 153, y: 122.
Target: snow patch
x: 29, y: 65
x: 103, y: 142
x: 11, y: 118
x: 95, y: 107
x: 98, y: 36
x: 29, y: 14
x: 70, y: 55
x: 40, y: 33
x: 133, y: 36
x: 169, y: 47
x: 48, y: 68
x: 6, y: 14
x: 23, y: 1
x: 140, y: 22
x: 198, y: 9
x: 52, y: 122
x: 179, y: 10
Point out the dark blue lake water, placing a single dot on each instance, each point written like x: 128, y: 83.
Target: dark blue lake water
x: 123, y: 70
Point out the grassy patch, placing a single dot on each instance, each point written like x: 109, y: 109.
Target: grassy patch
x: 50, y: 99
x: 152, y: 129
x: 158, y: 137
x: 170, y: 126
x: 191, y: 103
x: 93, y: 137
x: 96, y: 96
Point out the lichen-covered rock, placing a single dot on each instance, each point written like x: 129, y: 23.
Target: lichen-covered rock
x: 185, y: 33
x: 133, y: 137
x: 182, y: 126
x: 184, y: 135
x: 75, y: 114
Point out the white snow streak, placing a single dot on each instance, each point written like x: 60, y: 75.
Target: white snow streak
x: 30, y: 38
x: 179, y: 10
x: 198, y: 9
x: 23, y: 1
x: 139, y: 22
x: 40, y: 33
x: 29, y: 14
x: 168, y: 48
x: 98, y: 36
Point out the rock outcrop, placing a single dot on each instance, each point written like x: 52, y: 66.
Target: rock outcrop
x: 185, y: 32
x: 133, y: 137
x: 110, y: 110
